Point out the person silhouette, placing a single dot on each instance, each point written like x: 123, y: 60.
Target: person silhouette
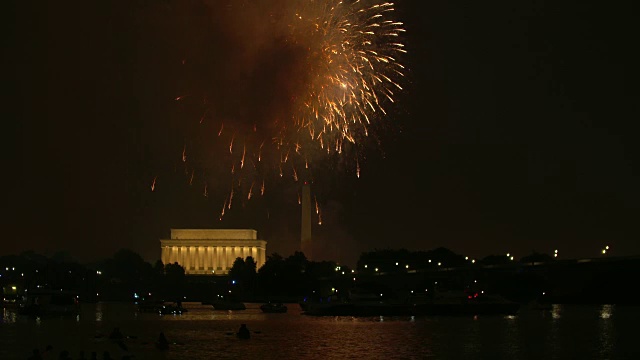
x: 162, y: 343
x: 35, y: 355
x: 64, y: 355
x: 48, y: 352
x: 81, y: 356
x: 243, y: 332
x: 116, y: 334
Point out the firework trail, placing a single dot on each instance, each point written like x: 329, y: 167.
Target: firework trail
x: 317, y: 86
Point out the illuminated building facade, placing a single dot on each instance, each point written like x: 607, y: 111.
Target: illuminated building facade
x: 212, y: 251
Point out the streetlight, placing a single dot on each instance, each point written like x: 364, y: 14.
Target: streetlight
x: 555, y: 253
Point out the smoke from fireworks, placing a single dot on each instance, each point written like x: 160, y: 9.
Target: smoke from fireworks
x: 311, y: 80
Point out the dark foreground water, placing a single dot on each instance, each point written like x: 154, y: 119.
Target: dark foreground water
x: 565, y: 332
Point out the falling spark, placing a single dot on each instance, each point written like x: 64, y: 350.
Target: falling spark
x: 153, y: 184
x: 250, y: 191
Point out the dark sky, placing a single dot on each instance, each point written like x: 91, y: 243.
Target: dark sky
x: 516, y: 130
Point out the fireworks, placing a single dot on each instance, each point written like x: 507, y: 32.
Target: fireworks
x: 317, y: 88
x: 353, y: 67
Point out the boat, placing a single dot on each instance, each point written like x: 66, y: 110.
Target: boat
x: 358, y: 309
x: 223, y: 304
x: 152, y: 306
x: 445, y: 304
x: 328, y: 308
x: 171, y: 309
x: 273, y: 308
x: 463, y: 304
x: 49, y: 302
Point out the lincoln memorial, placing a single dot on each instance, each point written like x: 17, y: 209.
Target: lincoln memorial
x: 212, y: 251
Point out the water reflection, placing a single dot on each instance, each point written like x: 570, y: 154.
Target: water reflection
x: 606, y: 330
x: 8, y: 316
x: 99, y: 311
x: 571, y: 332
x: 606, y: 311
x: 556, y: 310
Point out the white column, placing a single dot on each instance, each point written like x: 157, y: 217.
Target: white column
x: 204, y: 251
x: 184, y: 255
x: 196, y: 263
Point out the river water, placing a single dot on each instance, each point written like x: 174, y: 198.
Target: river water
x: 564, y: 332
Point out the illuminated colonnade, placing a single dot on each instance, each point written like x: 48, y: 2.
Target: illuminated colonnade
x: 212, y: 251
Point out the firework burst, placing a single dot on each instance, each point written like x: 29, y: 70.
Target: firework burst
x: 316, y: 90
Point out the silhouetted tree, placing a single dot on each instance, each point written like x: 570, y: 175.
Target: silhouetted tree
x: 175, y: 281
x: 237, y: 269
x: 270, y: 275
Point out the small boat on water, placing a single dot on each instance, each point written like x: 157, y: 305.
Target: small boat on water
x: 228, y: 305
x: 171, y: 309
x: 49, y: 302
x: 151, y: 306
x: 457, y: 304
x: 273, y: 308
x: 443, y: 304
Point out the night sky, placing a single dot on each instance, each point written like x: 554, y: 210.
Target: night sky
x: 516, y: 130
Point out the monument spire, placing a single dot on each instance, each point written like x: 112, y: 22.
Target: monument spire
x: 305, y: 228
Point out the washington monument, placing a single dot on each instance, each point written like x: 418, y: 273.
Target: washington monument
x: 305, y: 228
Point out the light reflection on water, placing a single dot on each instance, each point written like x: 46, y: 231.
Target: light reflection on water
x: 564, y: 332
